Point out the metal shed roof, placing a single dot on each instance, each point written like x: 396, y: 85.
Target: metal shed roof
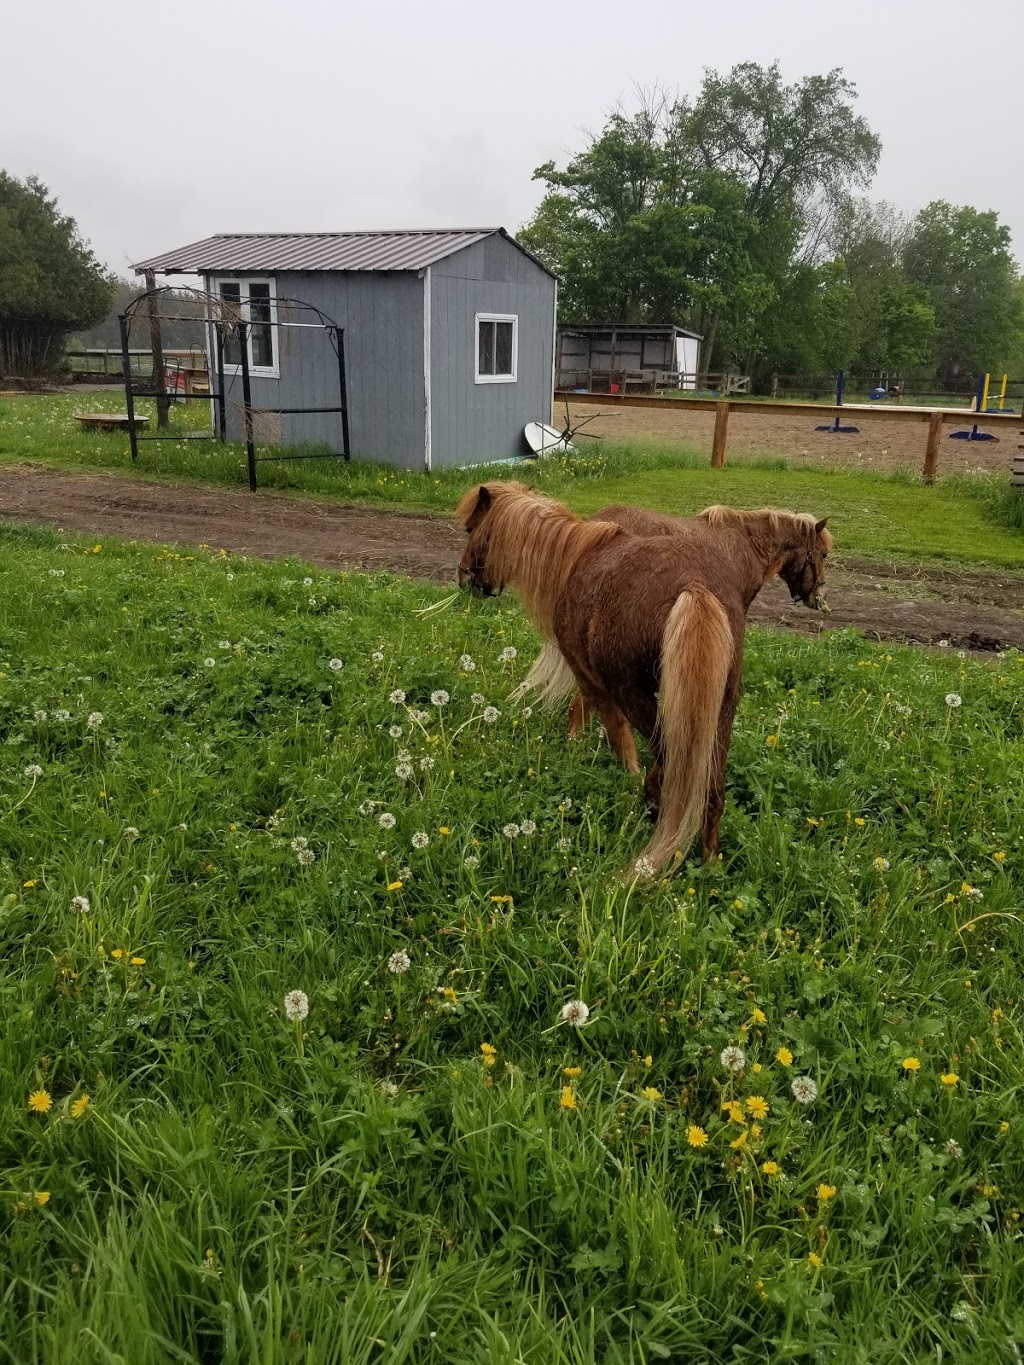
x: 629, y: 329
x: 244, y: 251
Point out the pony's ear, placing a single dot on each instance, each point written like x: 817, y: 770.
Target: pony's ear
x: 473, y: 506
x: 483, y: 500
x: 821, y: 526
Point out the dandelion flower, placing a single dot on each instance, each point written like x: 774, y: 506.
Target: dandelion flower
x: 949, y: 1078
x: 575, y: 1013
x: 758, y: 1017
x: 80, y: 1106
x: 814, y: 1260
x: 563, y: 845
x: 299, y: 842
x: 62, y: 715
x: 882, y: 864
x: 784, y: 1057
x: 306, y: 857
x: 510, y: 831
x: 466, y: 663
x: 397, y: 697
x: 377, y: 657
x: 42, y: 1196
x: 740, y: 1141
x: 95, y: 720
x: 952, y: 1148
x: 771, y: 1168
x: 972, y: 893
x: 403, y: 771
x: 81, y: 904
x: 336, y: 665
x: 395, y: 731
x: 388, y: 1089
x: 386, y: 820
x: 33, y: 771
x: 420, y: 839
x: 734, y: 1108
x: 999, y: 857
x: 296, y: 1005
x: 209, y: 663
x: 528, y: 827
x: 488, y: 1053
x: 911, y: 1064
x: 491, y: 714
x: 223, y: 644
x: 508, y: 654
x: 470, y: 861
x: 307, y: 582
x: 399, y: 962
x: 805, y: 1090
x: 426, y: 764
x: 733, y: 1059
x: 440, y: 697
x: 757, y: 1105
x: 644, y: 868
x: 651, y: 1092
x: 696, y: 1136
x: 568, y: 1098
x: 395, y: 885
x: 953, y: 700
x: 40, y: 1102
x: 131, y: 833
x: 572, y: 1071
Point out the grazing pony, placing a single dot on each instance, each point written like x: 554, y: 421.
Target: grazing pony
x: 650, y: 627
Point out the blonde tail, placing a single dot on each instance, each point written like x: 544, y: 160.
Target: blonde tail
x: 696, y: 657
x: 550, y: 677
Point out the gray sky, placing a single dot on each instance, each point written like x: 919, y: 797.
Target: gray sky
x: 157, y: 124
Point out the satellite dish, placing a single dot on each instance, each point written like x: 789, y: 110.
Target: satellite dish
x: 544, y: 440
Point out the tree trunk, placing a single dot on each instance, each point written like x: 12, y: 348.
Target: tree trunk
x: 707, y: 347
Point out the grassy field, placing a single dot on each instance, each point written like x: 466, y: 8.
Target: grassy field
x: 967, y: 520
x: 213, y: 794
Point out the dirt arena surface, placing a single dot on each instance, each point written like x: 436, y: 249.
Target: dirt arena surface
x: 880, y: 444
x: 976, y: 609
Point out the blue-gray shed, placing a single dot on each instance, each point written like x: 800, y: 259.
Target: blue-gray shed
x: 449, y: 338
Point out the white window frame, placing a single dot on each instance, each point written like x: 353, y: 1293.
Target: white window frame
x: 497, y: 378
x: 244, y: 281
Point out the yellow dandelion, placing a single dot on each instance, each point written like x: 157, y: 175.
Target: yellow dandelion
x: 489, y: 1053
x: 814, y: 1260
x: 757, y: 1106
x: 696, y: 1136
x: 394, y: 886
x: 450, y: 994
x: 572, y: 1071
x: 825, y: 1193
x: 772, y: 739
x: 949, y: 1078
x: 648, y: 1060
x: 771, y: 1168
x: 80, y: 1106
x: 29, y: 884
x: 755, y: 1130
x: 757, y: 1068
x: 40, y: 1101
x: 740, y: 1141
x: 999, y: 857
x: 118, y: 954
x: 42, y: 1196
x: 443, y: 829
x: 1004, y: 1127
x: 651, y: 1092
x: 737, y: 904
x: 911, y: 1064
x: 784, y: 1057
x: 734, y: 1108
x: 759, y: 1016
x: 138, y: 961
x: 568, y: 1099
x: 859, y: 821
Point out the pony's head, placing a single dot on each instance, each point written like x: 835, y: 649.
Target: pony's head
x: 803, y: 569
x: 473, y: 514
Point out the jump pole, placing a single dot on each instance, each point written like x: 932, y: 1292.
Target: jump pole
x: 979, y: 407
x: 835, y: 426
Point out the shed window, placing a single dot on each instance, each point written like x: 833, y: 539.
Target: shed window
x: 255, y: 299
x: 497, y: 347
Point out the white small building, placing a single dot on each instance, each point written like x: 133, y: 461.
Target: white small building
x: 613, y: 357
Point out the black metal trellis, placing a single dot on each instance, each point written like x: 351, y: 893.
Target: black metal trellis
x: 227, y: 321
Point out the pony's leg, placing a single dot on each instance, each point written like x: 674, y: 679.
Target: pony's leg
x: 578, y: 715
x: 620, y: 735
x: 715, y: 804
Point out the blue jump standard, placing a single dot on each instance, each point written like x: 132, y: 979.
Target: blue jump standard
x: 974, y: 434
x: 835, y: 426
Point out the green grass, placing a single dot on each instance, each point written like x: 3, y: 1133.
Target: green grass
x: 368, y: 1188
x: 961, y: 520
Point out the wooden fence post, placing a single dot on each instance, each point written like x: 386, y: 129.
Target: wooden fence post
x: 721, y: 428
x: 931, y: 454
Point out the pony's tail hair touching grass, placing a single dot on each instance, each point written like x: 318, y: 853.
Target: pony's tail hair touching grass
x: 550, y: 677
x: 696, y: 656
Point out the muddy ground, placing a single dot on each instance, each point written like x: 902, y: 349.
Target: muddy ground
x: 976, y: 609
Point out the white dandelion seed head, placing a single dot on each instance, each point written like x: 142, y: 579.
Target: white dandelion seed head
x: 491, y: 714
x: 943, y: 644
x: 405, y: 874
x: 296, y: 1006
x: 131, y: 833
x: 733, y: 1058
x: 299, y: 842
x: 223, y: 644
x: 399, y: 962
x: 426, y: 764
x: 953, y: 1149
x: 403, y: 771
x: 386, y: 820
x: 471, y: 861
x: 56, y: 573
x: 39, y: 717
x: 575, y: 1013
x: 805, y: 1090
x: 478, y: 699
x: 563, y: 845
x: 420, y: 717
x: 307, y: 582
x: 960, y: 1312
x: 94, y: 720
x: 388, y: 1089
x: 900, y: 709
x: 377, y: 656
x: 961, y: 654
x: 81, y: 904
x: 209, y: 663
x: 33, y: 770
x: 439, y: 698
x: 466, y: 663
x: 565, y: 803
x: 510, y: 831
x: 230, y: 577
x: 364, y: 808
x: 420, y: 839
x: 508, y: 654
x: 527, y: 712
x: 396, y: 697
x: 974, y: 893
x: 529, y: 827
x: 395, y: 731
x: 306, y: 857
x: 62, y: 715
x: 644, y: 867
x: 336, y: 665
x: 954, y: 699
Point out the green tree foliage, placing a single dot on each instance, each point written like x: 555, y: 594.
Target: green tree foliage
x: 50, y: 282
x: 962, y: 258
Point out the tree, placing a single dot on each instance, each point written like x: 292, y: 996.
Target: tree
x: 962, y: 258
x: 50, y: 282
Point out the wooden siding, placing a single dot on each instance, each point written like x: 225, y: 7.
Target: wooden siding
x: 472, y: 422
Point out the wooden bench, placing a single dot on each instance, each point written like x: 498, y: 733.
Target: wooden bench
x: 107, y: 421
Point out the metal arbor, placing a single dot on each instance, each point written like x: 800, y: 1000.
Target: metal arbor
x: 225, y: 319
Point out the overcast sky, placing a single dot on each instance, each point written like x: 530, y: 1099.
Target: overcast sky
x: 158, y: 124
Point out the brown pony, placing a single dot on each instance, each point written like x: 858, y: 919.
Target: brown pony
x: 650, y: 627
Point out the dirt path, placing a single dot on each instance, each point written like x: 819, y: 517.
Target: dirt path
x: 971, y: 609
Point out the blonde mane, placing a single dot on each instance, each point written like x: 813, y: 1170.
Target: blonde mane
x: 532, y: 544
x: 776, y: 523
